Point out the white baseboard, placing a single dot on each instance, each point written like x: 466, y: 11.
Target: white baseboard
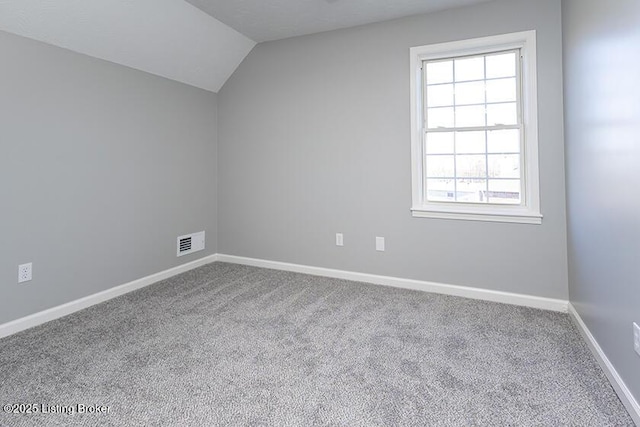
x: 439, y: 288
x: 53, y: 313
x: 616, y: 381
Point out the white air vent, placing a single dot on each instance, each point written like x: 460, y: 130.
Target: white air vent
x: 190, y: 243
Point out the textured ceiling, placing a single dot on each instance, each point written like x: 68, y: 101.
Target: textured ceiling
x: 263, y: 20
x: 169, y: 38
x: 174, y: 39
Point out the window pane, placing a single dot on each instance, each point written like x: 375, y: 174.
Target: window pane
x: 441, y: 190
x: 470, y: 116
x: 502, y: 114
x: 503, y: 65
x: 439, y: 72
x: 440, y: 117
x: 502, y: 90
x: 503, y: 141
x: 470, y: 93
x: 471, y: 190
x: 439, y: 95
x: 440, y: 166
x: 504, y: 166
x: 469, y: 69
x: 470, y: 142
x: 474, y: 166
x: 504, y: 191
x: 439, y: 143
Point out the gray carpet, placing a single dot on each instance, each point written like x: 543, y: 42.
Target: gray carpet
x: 236, y: 345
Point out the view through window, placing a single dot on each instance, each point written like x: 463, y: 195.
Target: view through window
x: 473, y: 142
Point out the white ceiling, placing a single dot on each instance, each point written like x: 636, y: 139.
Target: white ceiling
x: 169, y: 38
x: 263, y: 20
x: 200, y: 44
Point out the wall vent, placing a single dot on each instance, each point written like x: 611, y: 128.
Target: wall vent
x: 190, y: 243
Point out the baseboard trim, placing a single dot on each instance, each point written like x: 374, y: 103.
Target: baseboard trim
x: 616, y: 381
x: 53, y: 313
x: 439, y: 288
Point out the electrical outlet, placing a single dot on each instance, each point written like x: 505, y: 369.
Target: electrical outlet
x: 24, y: 272
x: 380, y: 244
x: 636, y: 338
x: 339, y: 239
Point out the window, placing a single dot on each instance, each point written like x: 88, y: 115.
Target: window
x: 474, y: 130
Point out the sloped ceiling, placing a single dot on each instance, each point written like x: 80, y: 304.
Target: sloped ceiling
x: 197, y: 42
x: 169, y: 38
x: 264, y: 20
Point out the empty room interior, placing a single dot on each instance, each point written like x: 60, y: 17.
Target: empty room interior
x: 319, y: 212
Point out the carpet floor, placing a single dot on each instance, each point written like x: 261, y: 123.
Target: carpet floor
x: 234, y: 345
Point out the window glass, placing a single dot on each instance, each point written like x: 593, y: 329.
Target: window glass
x: 479, y: 159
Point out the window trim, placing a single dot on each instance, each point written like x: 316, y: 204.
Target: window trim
x: 529, y: 211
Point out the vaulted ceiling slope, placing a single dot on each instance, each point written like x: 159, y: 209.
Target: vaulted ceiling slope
x: 264, y: 20
x: 197, y: 42
x: 169, y: 38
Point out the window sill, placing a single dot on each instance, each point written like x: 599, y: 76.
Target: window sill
x: 493, y: 215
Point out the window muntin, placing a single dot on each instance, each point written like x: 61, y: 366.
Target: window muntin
x: 473, y: 129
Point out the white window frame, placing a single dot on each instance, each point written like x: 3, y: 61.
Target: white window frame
x: 528, y: 212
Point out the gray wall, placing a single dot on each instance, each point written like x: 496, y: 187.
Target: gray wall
x: 602, y: 116
x: 101, y: 168
x: 315, y: 139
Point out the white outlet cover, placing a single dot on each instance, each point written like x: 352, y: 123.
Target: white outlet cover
x: 339, y: 239
x: 380, y: 244
x: 25, y: 272
x: 636, y: 338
